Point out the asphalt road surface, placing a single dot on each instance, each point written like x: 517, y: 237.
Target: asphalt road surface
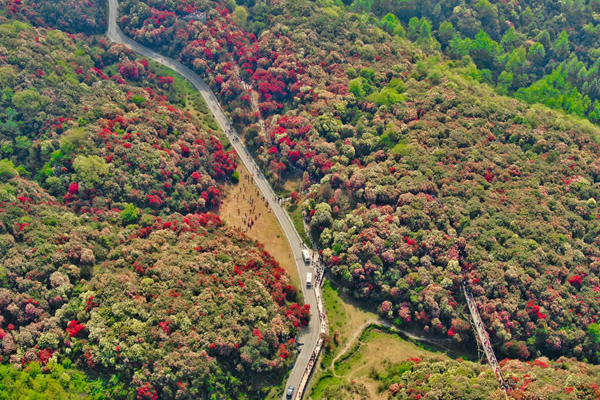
x: 310, y: 335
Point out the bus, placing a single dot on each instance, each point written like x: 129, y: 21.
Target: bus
x: 305, y: 255
x: 309, y: 280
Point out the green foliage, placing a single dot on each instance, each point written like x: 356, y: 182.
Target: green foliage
x: 29, y: 101
x: 391, y: 24
x: 7, y: 170
x: 561, y: 46
x: 130, y: 214
x: 240, y: 16
x: 235, y: 177
x: 90, y: 170
x: 71, y: 141
x: 54, y: 382
x: 387, y: 95
x: 446, y: 32
x: 137, y: 99
x: 593, y: 331
x: 468, y: 380
x: 360, y: 87
x: 555, y: 91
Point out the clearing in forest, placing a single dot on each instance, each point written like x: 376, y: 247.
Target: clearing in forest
x: 245, y: 207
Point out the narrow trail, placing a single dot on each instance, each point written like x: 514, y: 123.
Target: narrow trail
x: 378, y: 323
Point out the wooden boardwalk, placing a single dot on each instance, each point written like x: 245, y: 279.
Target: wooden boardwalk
x: 483, y: 338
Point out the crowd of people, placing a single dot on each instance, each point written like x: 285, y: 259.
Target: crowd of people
x: 243, y: 195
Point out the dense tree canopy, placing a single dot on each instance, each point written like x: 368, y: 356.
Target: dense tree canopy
x: 108, y: 258
x: 419, y: 177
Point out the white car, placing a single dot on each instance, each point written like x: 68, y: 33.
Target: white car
x: 290, y: 392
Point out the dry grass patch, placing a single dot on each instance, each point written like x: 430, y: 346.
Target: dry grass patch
x: 246, y: 197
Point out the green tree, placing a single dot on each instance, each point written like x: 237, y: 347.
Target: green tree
x: 511, y: 40
x: 561, y: 46
x: 8, y: 77
x: 321, y: 219
x: 130, y: 214
x: 391, y: 24
x: 240, y: 16
x: 357, y: 86
x: 544, y: 38
x: 90, y: 170
x: 504, y: 82
x: 488, y: 15
x: 460, y: 47
x: 536, y: 54
x: 29, y: 101
x: 446, y: 33
x: 484, y: 51
x: 517, y: 65
x: 594, y: 332
x: 7, y: 170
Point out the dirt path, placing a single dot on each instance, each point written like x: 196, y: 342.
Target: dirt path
x: 386, y: 324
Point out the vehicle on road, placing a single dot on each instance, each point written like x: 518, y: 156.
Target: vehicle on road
x: 309, y: 280
x: 290, y: 392
x: 305, y: 255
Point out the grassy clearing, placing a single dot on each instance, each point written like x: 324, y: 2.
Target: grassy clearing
x: 365, y: 352
x: 325, y: 382
x: 353, y: 375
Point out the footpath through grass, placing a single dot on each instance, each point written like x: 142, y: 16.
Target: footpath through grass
x: 363, y: 350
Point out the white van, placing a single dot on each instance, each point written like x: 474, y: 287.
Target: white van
x: 309, y: 280
x: 306, y: 255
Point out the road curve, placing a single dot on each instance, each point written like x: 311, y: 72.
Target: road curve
x: 309, y: 336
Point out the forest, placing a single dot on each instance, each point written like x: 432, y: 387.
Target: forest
x: 542, y: 52
x: 417, y: 176
x: 117, y: 278
x: 435, y: 143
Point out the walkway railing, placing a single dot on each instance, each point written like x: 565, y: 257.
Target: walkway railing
x: 482, y: 336
x: 314, y: 357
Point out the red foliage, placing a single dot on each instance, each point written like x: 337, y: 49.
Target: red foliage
x: 154, y: 200
x: 44, y: 356
x: 75, y: 328
x: 575, y: 280
x: 74, y: 188
x: 164, y: 325
x: 146, y: 392
x: 257, y: 333
x: 300, y: 315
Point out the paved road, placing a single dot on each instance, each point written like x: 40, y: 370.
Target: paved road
x: 309, y: 336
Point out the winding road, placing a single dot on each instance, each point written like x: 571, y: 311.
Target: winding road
x: 309, y: 336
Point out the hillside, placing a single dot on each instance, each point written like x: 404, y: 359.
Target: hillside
x: 543, y: 52
x: 109, y: 260
x: 434, y: 144
x: 417, y: 174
